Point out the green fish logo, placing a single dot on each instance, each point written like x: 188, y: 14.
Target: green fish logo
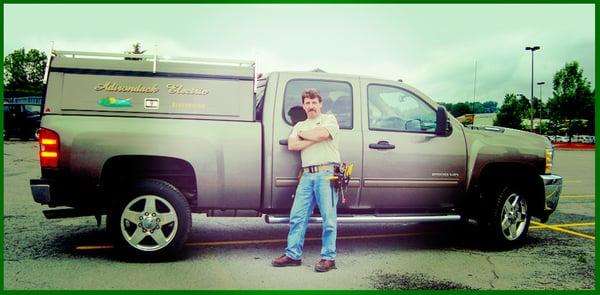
x: 115, y: 102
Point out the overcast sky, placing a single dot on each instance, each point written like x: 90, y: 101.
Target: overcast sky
x: 432, y: 47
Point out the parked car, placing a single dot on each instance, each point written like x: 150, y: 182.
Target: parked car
x: 148, y: 142
x: 21, y: 120
x: 587, y: 139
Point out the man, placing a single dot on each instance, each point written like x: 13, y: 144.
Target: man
x: 317, y: 140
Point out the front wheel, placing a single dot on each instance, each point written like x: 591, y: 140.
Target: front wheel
x: 152, y: 221
x: 508, y: 218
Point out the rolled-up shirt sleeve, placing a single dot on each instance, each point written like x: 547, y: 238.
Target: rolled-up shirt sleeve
x: 295, y: 130
x: 330, y: 123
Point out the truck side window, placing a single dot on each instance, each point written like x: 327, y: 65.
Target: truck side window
x: 336, y: 95
x: 395, y: 109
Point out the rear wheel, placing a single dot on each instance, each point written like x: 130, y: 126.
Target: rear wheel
x: 152, y: 221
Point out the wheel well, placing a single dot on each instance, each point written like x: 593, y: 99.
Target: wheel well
x: 524, y: 176
x: 122, y: 170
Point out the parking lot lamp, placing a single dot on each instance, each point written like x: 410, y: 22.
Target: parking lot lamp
x: 533, y: 48
x: 540, y: 103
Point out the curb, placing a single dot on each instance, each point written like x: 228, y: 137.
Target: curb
x: 574, y: 146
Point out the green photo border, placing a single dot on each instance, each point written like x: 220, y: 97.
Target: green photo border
x: 597, y: 185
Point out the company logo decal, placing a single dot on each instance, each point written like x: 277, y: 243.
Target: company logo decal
x: 115, y: 102
x: 141, y: 88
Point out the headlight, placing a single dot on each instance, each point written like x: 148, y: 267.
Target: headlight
x: 549, y: 158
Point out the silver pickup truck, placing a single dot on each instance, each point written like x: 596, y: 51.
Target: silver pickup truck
x: 148, y: 140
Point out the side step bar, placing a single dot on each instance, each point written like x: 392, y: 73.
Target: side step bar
x: 369, y: 219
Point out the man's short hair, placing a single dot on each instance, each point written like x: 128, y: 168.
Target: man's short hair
x: 311, y: 93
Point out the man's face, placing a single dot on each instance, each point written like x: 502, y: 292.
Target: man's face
x: 312, y: 107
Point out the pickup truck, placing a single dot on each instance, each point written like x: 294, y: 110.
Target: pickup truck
x: 149, y: 140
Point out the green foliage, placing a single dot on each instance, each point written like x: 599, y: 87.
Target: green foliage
x: 488, y: 107
x: 511, y: 112
x: 552, y: 128
x: 573, y: 99
x: 461, y: 108
x: 524, y: 106
x: 539, y: 109
x: 24, y: 72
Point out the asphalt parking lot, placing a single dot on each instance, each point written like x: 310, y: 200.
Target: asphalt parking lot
x: 235, y: 253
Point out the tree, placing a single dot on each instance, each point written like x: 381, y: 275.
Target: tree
x: 510, y: 114
x: 460, y: 109
x: 24, y: 72
x: 572, y: 98
x: 466, y: 107
x: 539, y: 108
x: 490, y: 107
x: 524, y: 105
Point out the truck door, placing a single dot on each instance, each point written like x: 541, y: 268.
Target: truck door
x: 406, y: 166
x: 341, y: 98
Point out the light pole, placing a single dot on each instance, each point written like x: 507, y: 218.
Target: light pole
x: 533, y: 48
x: 540, y: 103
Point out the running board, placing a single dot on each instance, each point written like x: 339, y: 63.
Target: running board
x: 369, y: 219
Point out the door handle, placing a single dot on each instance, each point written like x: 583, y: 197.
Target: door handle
x: 382, y: 145
x: 283, y: 142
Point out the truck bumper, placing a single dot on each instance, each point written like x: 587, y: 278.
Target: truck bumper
x: 552, y: 190
x: 41, y: 190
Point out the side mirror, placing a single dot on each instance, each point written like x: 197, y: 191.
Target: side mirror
x: 441, y: 122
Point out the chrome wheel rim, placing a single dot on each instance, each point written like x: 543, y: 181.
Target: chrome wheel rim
x: 514, y: 217
x: 148, y: 223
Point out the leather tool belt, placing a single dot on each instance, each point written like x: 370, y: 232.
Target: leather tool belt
x: 319, y: 168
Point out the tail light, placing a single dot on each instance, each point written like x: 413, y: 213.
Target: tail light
x: 49, y: 148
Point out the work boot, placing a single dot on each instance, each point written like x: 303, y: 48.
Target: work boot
x: 283, y: 260
x: 325, y: 265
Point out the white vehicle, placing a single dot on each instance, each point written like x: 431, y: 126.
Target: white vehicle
x: 587, y: 139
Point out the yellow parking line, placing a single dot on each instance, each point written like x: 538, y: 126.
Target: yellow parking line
x: 245, y: 242
x: 559, y: 229
x: 577, y: 196
x: 94, y: 247
x: 565, y: 225
x: 574, y: 224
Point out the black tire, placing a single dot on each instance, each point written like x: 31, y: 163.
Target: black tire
x: 136, y: 226
x: 507, y: 217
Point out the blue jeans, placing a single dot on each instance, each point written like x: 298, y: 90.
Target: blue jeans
x: 314, y: 188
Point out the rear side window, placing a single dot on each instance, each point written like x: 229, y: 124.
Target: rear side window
x: 337, y: 100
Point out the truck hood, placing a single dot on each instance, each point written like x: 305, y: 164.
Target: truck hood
x: 486, y: 144
x: 495, y: 135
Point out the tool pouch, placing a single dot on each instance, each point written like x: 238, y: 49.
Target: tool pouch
x: 336, y: 181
